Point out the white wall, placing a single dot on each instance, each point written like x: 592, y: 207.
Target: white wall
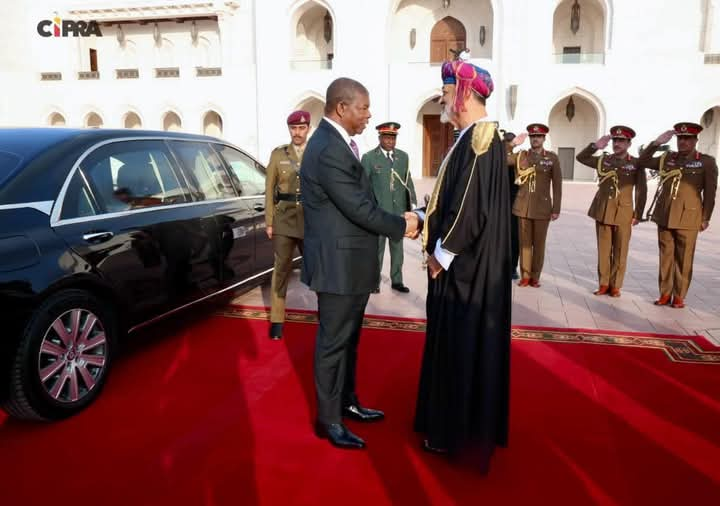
x: 653, y: 76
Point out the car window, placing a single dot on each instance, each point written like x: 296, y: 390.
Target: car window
x: 8, y: 163
x: 207, y: 176
x: 122, y: 176
x: 247, y: 171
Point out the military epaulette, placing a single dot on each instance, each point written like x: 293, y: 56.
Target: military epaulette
x: 483, y: 134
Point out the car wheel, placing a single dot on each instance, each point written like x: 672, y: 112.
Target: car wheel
x: 62, y: 358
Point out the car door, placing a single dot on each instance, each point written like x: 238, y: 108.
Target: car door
x: 234, y: 216
x: 129, y: 212
x: 250, y: 176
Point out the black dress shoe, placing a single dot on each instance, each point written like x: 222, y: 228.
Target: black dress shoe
x: 339, y: 436
x: 276, y: 331
x: 433, y: 449
x: 515, y: 274
x: 401, y: 288
x: 360, y: 414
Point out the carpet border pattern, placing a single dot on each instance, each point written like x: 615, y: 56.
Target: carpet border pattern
x: 677, y: 348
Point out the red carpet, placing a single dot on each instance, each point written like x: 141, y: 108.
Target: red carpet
x: 208, y: 411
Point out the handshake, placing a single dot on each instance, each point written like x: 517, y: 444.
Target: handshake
x: 413, y: 225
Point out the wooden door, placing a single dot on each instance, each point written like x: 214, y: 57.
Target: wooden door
x: 437, y: 139
x: 567, y: 162
x: 447, y: 34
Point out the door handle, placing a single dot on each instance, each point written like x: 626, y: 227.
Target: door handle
x: 259, y: 207
x: 96, y: 237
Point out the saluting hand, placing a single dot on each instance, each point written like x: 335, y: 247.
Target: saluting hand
x: 602, y: 142
x: 519, y: 139
x: 434, y: 267
x: 665, y: 137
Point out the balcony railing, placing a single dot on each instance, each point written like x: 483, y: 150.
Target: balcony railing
x: 304, y: 65
x: 87, y: 75
x: 167, y: 72
x: 51, y: 76
x: 585, y: 58
x: 127, y: 73
x: 208, y: 71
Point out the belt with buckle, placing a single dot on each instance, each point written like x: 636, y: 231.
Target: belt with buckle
x: 289, y: 197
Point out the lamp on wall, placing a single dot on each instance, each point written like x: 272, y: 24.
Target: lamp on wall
x: 513, y: 91
x: 413, y: 38
x: 156, y: 34
x: 575, y: 18
x: 327, y: 27
x: 570, y: 110
x: 120, y: 35
x: 707, y: 118
x: 482, y: 35
x: 446, y: 3
x: 194, y: 32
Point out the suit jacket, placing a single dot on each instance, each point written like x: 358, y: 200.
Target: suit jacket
x: 283, y: 176
x: 342, y: 218
x: 533, y: 199
x: 685, y: 201
x: 391, y: 182
x: 613, y: 202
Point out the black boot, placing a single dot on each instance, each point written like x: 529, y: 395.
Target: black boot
x: 276, y: 331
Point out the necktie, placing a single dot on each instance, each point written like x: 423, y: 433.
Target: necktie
x: 354, y: 148
x: 390, y: 157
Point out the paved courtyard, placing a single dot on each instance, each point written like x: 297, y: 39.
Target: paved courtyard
x: 565, y: 298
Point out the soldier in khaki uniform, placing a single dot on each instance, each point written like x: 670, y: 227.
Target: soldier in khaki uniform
x: 536, y: 170
x: 612, y: 208
x: 682, y: 206
x: 284, y: 212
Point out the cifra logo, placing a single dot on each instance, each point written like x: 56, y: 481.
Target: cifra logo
x: 68, y: 28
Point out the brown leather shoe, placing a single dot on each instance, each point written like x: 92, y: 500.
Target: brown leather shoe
x: 614, y: 292
x: 602, y: 290
x: 524, y: 282
x: 664, y: 300
x: 678, y: 302
x: 535, y: 283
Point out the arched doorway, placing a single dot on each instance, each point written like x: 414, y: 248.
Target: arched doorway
x: 56, y: 119
x: 316, y: 108
x: 93, y: 120
x: 313, y: 37
x: 172, y: 122
x: 709, y: 138
x: 437, y: 137
x: 574, y: 123
x: 132, y: 120
x: 212, y: 124
x: 447, y: 34
x: 579, y: 32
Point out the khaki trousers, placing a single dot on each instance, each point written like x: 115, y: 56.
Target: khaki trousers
x: 677, y: 251
x: 283, y: 247
x: 532, y: 246
x: 613, y: 243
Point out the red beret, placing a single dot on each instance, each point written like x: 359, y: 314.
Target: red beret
x: 537, y: 129
x: 687, y: 128
x: 299, y: 118
x: 622, y: 132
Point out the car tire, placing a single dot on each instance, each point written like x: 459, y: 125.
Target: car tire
x: 62, y: 358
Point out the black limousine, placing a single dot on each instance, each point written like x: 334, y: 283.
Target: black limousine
x: 103, y: 232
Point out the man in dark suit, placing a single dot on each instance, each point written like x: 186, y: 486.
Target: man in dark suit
x: 340, y: 261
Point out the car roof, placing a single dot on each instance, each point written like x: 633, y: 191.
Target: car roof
x: 40, y: 148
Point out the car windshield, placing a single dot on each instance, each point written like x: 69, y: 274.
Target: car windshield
x: 8, y: 163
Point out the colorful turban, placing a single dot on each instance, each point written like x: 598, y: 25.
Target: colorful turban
x: 465, y: 75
